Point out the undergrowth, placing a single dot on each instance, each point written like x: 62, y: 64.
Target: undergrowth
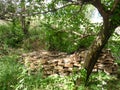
x: 14, y: 76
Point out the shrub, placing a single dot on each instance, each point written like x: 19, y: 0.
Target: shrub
x: 11, y: 35
x: 9, y: 71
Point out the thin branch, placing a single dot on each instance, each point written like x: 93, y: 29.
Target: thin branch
x: 52, y: 10
x: 114, y: 5
x: 80, y: 36
x: 10, y: 15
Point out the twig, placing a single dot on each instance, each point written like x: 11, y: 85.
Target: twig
x: 36, y: 13
x: 114, y: 5
x: 52, y: 10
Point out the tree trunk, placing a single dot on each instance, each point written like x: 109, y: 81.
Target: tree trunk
x: 23, y: 19
x: 101, y: 39
x: 95, y: 49
x: 25, y: 25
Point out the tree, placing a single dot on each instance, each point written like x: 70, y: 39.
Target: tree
x: 111, y: 21
x: 109, y: 10
x: 19, y: 10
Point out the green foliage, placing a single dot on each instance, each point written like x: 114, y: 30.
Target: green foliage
x: 59, y: 29
x: 28, y: 82
x: 36, y: 39
x: 100, y: 81
x: 14, y: 76
x: 4, y: 50
x: 64, y: 40
x: 55, y: 82
x: 11, y: 35
x: 9, y: 71
x: 54, y: 33
x: 115, y: 20
x: 108, y: 4
x: 114, y: 45
x: 33, y: 43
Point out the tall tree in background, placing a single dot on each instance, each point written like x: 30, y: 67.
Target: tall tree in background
x: 19, y: 10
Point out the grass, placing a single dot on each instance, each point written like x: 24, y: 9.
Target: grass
x: 14, y: 76
x: 9, y: 70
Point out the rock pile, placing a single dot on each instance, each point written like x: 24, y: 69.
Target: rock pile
x: 64, y: 64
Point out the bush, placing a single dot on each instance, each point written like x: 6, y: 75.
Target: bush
x: 65, y: 41
x: 11, y: 35
x: 9, y: 71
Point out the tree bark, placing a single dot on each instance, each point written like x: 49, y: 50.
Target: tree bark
x: 25, y: 25
x: 23, y: 19
x: 101, y: 39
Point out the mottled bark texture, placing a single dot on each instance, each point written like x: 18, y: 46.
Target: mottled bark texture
x: 103, y: 36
